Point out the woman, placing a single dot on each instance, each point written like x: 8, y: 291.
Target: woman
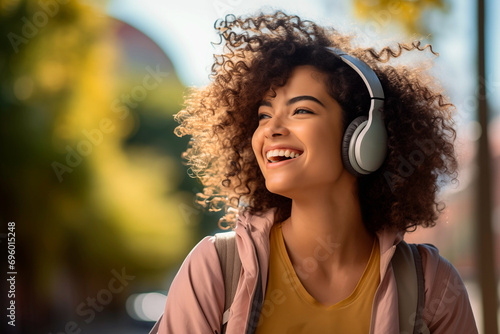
x: 319, y: 215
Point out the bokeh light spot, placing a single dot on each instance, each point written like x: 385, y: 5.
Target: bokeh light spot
x: 146, y: 306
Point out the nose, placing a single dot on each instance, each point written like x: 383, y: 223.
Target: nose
x: 275, y: 128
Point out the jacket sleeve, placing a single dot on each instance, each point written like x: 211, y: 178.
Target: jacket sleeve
x: 447, y: 307
x: 195, y: 300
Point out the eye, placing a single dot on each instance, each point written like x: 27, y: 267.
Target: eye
x: 263, y: 116
x: 302, y: 111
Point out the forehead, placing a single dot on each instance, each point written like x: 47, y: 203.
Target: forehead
x: 305, y: 79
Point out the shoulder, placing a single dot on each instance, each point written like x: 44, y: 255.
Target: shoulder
x: 196, y: 296
x: 447, y: 307
x: 200, y: 267
x: 203, y: 254
x: 436, y: 268
x: 439, y: 273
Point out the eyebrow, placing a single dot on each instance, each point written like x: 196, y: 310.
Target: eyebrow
x: 295, y: 100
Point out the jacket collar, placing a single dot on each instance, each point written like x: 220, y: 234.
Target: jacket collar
x: 388, y: 240
x: 253, y: 240
x: 252, y: 232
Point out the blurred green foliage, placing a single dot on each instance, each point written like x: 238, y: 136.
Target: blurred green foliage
x: 405, y: 13
x: 92, y: 178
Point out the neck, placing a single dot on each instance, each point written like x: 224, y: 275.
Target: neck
x: 327, y: 225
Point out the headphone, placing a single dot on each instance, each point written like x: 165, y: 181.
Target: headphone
x: 364, y: 145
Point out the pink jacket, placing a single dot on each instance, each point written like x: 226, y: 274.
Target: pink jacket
x: 195, y: 300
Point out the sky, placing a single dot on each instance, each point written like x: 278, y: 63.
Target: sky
x: 184, y: 30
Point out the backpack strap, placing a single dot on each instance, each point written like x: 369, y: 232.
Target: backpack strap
x: 230, y: 262
x: 408, y: 270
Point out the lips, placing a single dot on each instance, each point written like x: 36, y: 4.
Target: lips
x: 282, y: 154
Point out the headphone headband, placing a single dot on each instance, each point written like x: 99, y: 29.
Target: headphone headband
x: 364, y: 71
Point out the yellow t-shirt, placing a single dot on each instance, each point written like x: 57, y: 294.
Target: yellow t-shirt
x: 289, y: 308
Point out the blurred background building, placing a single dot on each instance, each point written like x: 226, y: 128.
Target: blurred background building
x: 91, y: 172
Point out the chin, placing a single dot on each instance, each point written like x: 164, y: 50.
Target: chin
x: 279, y: 188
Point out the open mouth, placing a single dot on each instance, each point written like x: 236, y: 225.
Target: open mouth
x: 279, y: 155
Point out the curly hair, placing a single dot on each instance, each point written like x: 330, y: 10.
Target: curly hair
x: 259, y: 54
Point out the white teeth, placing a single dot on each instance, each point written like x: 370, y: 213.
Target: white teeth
x: 282, y: 153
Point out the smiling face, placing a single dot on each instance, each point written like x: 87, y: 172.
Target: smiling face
x: 298, y: 140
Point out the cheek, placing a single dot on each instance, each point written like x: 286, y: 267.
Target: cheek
x: 326, y: 142
x: 257, y: 145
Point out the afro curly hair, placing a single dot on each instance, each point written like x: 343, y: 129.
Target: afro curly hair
x: 259, y: 53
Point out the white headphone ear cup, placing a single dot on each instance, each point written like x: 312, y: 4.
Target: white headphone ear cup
x: 350, y: 163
